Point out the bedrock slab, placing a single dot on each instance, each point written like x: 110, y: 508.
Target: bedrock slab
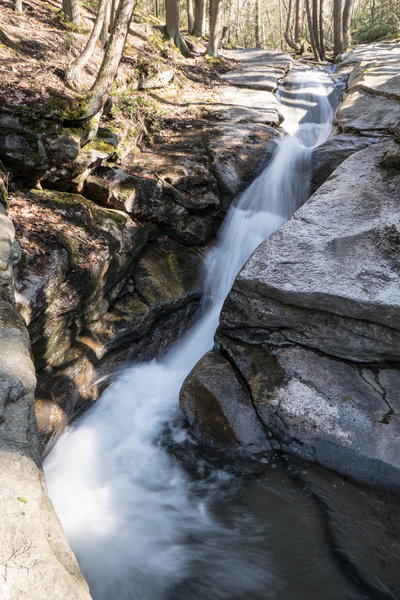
x: 341, y: 415
x: 372, y: 105
x: 238, y: 105
x: 329, y: 278
x: 262, y: 70
x: 35, y: 560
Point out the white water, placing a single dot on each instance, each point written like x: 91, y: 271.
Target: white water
x: 137, y: 522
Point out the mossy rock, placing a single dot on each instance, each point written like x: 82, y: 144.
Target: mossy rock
x: 391, y: 157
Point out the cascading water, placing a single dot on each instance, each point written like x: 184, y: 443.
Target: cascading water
x: 141, y: 526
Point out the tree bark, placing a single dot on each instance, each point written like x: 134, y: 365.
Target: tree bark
x: 100, y: 90
x: 311, y: 31
x: 321, y: 30
x: 338, y: 44
x: 172, y: 17
x: 257, y: 28
x: 190, y: 16
x: 215, y: 27
x: 347, y: 13
x: 106, y: 27
x: 18, y: 6
x: 290, y: 42
x: 81, y: 61
x: 199, y: 18
x: 315, y: 24
x: 225, y: 35
x: 297, y: 22
x: 72, y: 11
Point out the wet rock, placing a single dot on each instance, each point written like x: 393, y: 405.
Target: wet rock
x: 362, y: 525
x: 84, y: 267
x: 322, y: 288
x: 218, y: 406
x: 34, y: 554
x: 158, y: 303
x: 240, y: 152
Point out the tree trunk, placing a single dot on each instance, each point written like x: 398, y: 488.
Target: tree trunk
x: 347, y: 13
x: 190, y: 16
x: 100, y: 90
x: 71, y: 10
x: 311, y: 31
x: 172, y: 17
x: 215, y: 27
x: 157, y: 9
x: 199, y: 18
x: 18, y: 6
x: 105, y: 30
x: 81, y: 61
x: 297, y: 22
x: 226, y: 30
x: 257, y: 29
x: 280, y: 22
x: 292, y: 44
x: 321, y: 30
x: 315, y: 24
x: 338, y: 44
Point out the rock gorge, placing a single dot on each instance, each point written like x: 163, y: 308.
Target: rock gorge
x: 308, y: 340
x: 109, y: 268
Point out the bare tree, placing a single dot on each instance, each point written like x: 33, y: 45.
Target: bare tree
x: 18, y: 6
x: 83, y: 58
x: 338, y: 41
x: 215, y: 27
x: 257, y: 28
x: 72, y: 11
x: 100, y: 90
x: 199, y: 18
x: 106, y: 27
x: 322, y: 48
x: 287, y: 34
x: 347, y: 13
x: 311, y: 31
x: 190, y: 16
x: 297, y: 22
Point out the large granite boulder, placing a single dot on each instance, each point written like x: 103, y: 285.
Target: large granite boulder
x: 34, y: 554
x: 312, y: 327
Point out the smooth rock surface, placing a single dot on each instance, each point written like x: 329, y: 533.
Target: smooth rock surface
x: 238, y: 105
x: 310, y: 326
x: 372, y: 105
x: 329, y: 155
x: 262, y: 69
x: 329, y: 278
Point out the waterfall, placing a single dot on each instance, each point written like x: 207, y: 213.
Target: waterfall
x: 141, y: 526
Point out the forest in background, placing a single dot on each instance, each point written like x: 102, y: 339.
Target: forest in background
x: 326, y: 28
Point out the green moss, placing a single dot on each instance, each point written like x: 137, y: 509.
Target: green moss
x: 3, y: 194
x: 72, y: 246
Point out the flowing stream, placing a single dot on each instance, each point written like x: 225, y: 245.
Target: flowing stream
x: 147, y: 515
